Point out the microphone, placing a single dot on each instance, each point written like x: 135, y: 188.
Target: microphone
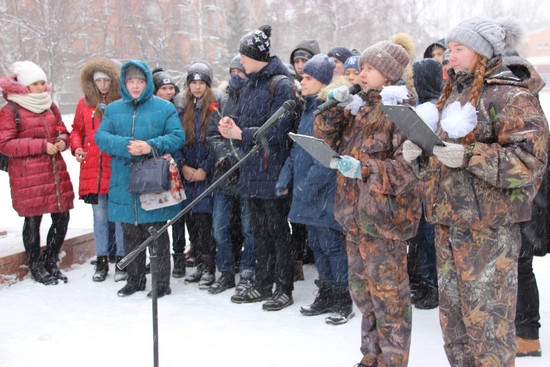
x: 286, y: 107
x: 354, y: 89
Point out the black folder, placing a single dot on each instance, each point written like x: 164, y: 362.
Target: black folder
x: 316, y: 147
x: 413, y: 127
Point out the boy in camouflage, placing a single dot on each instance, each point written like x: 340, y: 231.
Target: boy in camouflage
x: 481, y: 185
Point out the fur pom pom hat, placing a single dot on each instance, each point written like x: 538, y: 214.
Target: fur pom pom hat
x: 321, y: 68
x: 256, y: 44
x: 487, y: 37
x: 389, y: 58
x: 27, y: 72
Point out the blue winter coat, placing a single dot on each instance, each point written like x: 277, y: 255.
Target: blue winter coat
x: 312, y: 184
x: 147, y: 118
x: 259, y: 174
x: 198, y: 156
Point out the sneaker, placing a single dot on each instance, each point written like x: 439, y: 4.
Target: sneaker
x: 225, y: 282
x: 131, y: 288
x: 279, y: 301
x: 527, y: 348
x: 195, y: 277
x: 244, y: 285
x: 207, y: 279
x: 250, y: 296
x: 161, y: 292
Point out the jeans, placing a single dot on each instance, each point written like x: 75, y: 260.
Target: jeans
x: 329, y: 251
x: 221, y: 219
x: 103, y: 229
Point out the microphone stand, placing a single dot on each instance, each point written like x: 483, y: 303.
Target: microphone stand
x: 155, y: 234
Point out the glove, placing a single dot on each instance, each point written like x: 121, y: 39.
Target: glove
x: 451, y: 155
x: 394, y: 94
x: 458, y: 120
x: 411, y: 151
x: 348, y: 166
x: 340, y: 94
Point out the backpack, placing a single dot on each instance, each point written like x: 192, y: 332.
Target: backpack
x: 273, y: 81
x: 4, y: 160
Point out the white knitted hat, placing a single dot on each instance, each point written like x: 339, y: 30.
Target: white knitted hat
x: 27, y: 72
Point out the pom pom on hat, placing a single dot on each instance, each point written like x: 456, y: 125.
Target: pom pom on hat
x: 389, y: 58
x: 321, y: 68
x: 27, y: 72
x: 255, y: 44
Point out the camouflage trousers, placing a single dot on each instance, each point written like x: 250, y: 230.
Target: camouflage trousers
x: 379, y: 286
x: 477, y: 276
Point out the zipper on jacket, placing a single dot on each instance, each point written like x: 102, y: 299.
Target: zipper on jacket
x: 133, y: 132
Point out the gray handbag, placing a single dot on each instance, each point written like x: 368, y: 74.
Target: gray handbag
x: 149, y: 175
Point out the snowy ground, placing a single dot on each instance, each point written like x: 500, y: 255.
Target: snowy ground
x: 83, y: 323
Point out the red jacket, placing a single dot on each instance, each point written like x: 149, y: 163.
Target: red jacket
x: 95, y: 170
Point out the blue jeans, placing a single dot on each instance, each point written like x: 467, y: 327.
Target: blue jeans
x: 329, y: 250
x: 221, y: 218
x: 103, y: 229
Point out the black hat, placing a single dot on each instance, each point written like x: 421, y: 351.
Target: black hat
x: 255, y: 44
x: 200, y: 71
x: 160, y: 78
x: 305, y: 50
x: 340, y: 53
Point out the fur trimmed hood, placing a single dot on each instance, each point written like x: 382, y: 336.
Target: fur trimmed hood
x: 91, y: 93
x: 10, y: 85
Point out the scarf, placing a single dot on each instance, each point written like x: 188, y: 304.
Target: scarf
x: 34, y: 102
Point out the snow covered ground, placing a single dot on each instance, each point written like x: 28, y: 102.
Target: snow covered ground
x: 84, y: 324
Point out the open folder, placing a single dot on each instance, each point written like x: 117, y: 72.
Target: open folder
x: 413, y: 126
x: 316, y: 147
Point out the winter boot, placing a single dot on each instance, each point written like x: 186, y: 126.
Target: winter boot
x: 50, y: 264
x: 119, y: 273
x: 179, y: 266
x: 225, y: 282
x: 324, y: 301
x: 279, y: 301
x: 429, y: 297
x: 195, y: 277
x: 161, y: 292
x: 527, y: 347
x: 40, y: 275
x: 298, y: 271
x: 101, y: 269
x: 207, y: 279
x: 131, y: 287
x: 343, y: 307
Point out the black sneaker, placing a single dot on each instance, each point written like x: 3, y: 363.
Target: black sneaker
x: 207, y: 279
x: 161, y: 292
x: 250, y: 296
x: 131, y: 288
x: 225, y: 282
x: 244, y: 285
x: 279, y: 301
x: 195, y: 277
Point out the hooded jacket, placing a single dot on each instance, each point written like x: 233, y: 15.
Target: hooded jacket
x: 95, y: 170
x: 39, y: 182
x: 147, y: 118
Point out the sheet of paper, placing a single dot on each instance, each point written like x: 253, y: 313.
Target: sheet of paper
x: 316, y: 147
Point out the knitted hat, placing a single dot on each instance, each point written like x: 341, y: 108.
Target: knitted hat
x: 255, y: 44
x: 352, y: 62
x: 480, y: 34
x: 100, y: 75
x: 340, y: 53
x: 388, y: 58
x: 236, y: 64
x: 27, y: 72
x: 321, y: 68
x: 305, y: 50
x: 134, y: 72
x: 200, y: 71
x: 428, y: 79
x: 160, y: 78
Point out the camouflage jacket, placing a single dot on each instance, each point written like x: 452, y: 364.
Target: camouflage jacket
x: 505, y: 158
x: 387, y: 201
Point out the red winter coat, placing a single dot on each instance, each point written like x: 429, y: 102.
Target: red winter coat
x: 39, y: 182
x: 95, y: 170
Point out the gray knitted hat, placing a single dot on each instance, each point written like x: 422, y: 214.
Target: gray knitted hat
x: 134, y: 72
x: 480, y: 34
x: 389, y: 58
x: 321, y: 68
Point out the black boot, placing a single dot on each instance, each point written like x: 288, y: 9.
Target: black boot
x: 40, y: 275
x: 179, y: 266
x: 50, y: 264
x: 195, y: 277
x: 131, y: 287
x: 101, y: 269
x: 324, y: 301
x: 343, y: 307
x: 428, y: 298
x: 119, y: 273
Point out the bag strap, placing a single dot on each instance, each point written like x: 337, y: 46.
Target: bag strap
x: 273, y: 81
x: 16, y: 113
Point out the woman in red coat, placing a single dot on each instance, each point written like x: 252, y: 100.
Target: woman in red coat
x: 33, y: 136
x: 99, y: 80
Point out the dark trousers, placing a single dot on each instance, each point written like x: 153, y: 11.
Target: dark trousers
x: 134, y: 235
x: 178, y: 236
x: 54, y: 240
x: 274, y: 261
x: 421, y: 257
x: 199, y: 226
x: 527, y: 310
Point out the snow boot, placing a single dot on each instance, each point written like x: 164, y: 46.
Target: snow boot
x: 161, y: 292
x: 101, y: 269
x: 324, y: 300
x: 40, y: 275
x: 131, y: 287
x: 179, y: 266
x: 225, y: 282
x: 343, y: 307
x: 119, y: 273
x: 51, y: 266
x: 527, y: 347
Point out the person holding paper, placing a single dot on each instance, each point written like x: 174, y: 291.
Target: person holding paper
x: 481, y: 185
x: 377, y: 201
